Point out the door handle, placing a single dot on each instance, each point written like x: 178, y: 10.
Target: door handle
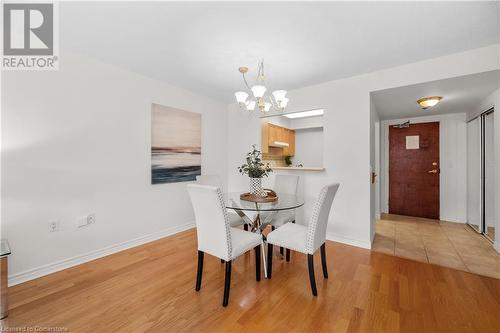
x: 433, y: 171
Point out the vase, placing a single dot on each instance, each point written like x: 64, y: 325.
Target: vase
x: 256, y: 186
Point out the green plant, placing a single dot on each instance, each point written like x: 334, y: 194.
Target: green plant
x: 254, y: 167
x: 288, y: 160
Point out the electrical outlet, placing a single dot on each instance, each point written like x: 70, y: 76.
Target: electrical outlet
x: 84, y: 221
x: 53, y: 226
x: 91, y: 219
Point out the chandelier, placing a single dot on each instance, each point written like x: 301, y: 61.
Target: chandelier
x: 258, y: 97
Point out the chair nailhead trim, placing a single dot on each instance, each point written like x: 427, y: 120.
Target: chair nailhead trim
x: 311, y: 229
x: 228, y: 226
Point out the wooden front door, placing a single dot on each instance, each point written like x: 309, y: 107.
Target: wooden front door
x: 414, y: 170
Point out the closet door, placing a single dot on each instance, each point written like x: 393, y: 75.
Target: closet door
x: 489, y: 181
x: 474, y: 191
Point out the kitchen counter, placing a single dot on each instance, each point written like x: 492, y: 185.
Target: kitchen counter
x: 298, y: 168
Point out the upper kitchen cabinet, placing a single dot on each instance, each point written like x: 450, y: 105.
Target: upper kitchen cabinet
x: 298, y: 135
x: 290, y: 139
x: 277, y: 140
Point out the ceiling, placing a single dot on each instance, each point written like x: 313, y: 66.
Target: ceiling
x: 199, y: 46
x: 460, y: 94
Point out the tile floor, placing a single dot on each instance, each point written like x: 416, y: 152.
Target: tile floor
x: 453, y: 245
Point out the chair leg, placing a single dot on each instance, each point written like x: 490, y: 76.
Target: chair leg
x: 282, y: 250
x: 323, y: 261
x: 245, y: 227
x: 222, y: 261
x: 227, y: 283
x: 269, y: 260
x: 310, y: 264
x: 200, y: 270
x: 257, y: 262
x: 287, y: 251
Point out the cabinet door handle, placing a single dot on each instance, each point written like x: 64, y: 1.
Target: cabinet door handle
x: 433, y: 171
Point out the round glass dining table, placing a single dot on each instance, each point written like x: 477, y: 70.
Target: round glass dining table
x: 284, y: 202
x: 251, y: 212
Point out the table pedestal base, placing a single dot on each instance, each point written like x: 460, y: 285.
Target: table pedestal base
x: 256, y: 226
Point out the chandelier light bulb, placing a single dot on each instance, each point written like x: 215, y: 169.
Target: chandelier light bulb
x: 283, y: 103
x: 258, y: 91
x: 279, y: 95
x: 251, y: 106
x: 267, y: 107
x: 241, y: 97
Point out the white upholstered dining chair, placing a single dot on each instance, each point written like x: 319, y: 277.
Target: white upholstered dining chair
x: 215, y: 235
x: 214, y: 180
x: 306, y: 238
x: 287, y: 184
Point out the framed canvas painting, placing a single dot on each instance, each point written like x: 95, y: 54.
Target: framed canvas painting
x: 175, y: 145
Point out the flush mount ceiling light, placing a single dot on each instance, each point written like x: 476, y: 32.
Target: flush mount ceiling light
x: 428, y: 102
x: 303, y: 114
x: 258, y: 97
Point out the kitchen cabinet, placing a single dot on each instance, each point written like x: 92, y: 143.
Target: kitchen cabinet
x: 272, y: 138
x: 290, y: 139
x: 274, y: 134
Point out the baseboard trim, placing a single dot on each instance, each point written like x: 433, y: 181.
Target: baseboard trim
x: 377, y: 216
x: 451, y: 219
x: 348, y: 241
x: 496, y: 246
x: 92, y: 255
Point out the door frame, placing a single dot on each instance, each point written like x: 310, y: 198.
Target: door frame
x: 384, y: 133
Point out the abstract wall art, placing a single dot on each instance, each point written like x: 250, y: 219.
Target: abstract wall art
x: 175, y: 145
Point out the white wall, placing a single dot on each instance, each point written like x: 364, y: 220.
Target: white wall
x: 347, y: 135
x: 309, y: 147
x: 493, y: 100
x: 77, y: 141
x: 308, y: 122
x: 279, y: 121
x: 243, y: 131
x: 486, y: 104
x: 453, y: 164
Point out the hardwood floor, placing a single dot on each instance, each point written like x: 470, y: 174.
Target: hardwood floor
x: 151, y: 288
x: 453, y: 245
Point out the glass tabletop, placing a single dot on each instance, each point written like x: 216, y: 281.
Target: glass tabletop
x: 284, y: 202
